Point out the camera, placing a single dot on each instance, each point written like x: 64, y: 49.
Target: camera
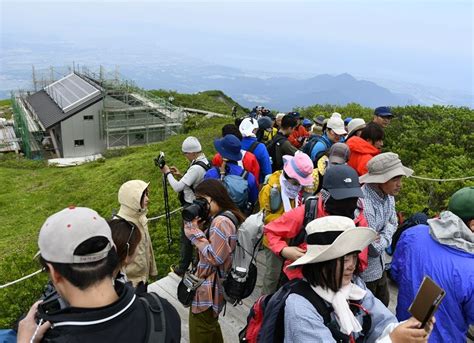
x: 160, y: 160
x: 52, y: 301
x: 199, y: 208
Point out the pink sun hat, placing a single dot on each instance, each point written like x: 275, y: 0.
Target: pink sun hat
x: 299, y: 167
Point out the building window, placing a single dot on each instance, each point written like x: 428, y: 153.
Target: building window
x: 88, y: 117
x: 79, y: 142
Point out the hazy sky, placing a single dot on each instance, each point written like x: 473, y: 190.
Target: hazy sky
x: 427, y: 42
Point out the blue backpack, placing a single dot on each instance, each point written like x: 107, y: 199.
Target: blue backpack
x: 238, y: 188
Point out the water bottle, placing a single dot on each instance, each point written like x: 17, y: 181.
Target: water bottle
x: 275, y: 198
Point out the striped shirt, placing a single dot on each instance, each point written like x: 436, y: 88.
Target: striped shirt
x: 215, y: 247
x: 381, y: 216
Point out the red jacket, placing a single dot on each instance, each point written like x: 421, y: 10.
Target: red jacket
x: 249, y: 163
x: 297, y: 136
x: 361, y: 152
x: 280, y: 231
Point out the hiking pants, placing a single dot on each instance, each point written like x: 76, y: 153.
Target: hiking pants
x: 380, y: 289
x: 185, y: 250
x: 271, y: 278
x: 204, y: 327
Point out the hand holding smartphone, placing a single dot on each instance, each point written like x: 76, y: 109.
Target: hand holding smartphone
x: 427, y: 301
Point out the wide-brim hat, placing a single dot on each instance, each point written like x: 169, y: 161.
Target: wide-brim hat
x: 384, y: 167
x: 229, y: 147
x: 332, y: 237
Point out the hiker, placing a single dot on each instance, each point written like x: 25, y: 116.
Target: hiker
x: 340, y: 195
x: 307, y: 124
x: 299, y: 135
x: 278, y: 119
x: 215, y: 236
x: 248, y: 162
x: 234, y: 111
x: 266, y: 130
x: 443, y: 250
x: 78, y: 253
x: 133, y: 199
x: 383, y: 182
x: 248, y: 128
x: 338, y: 154
x: 363, y: 148
x: 354, y: 128
x: 382, y: 116
x: 229, y: 148
x: 280, y: 195
x: 279, y: 145
x: 198, y: 166
x: 329, y: 267
x: 126, y: 238
x: 347, y: 120
x: 334, y: 131
x: 317, y: 128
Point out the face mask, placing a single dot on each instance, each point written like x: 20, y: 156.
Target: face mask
x: 343, y: 207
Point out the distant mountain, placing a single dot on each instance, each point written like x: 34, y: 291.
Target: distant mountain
x: 162, y: 70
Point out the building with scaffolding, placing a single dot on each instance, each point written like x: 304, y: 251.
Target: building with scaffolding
x: 82, y: 114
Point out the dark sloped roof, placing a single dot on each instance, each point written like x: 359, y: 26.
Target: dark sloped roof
x: 49, y: 112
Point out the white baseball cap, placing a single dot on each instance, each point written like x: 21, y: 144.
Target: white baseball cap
x: 65, y: 230
x: 247, y: 126
x: 336, y: 124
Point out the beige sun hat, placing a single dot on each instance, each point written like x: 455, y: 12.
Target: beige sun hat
x: 336, y: 124
x: 332, y: 237
x: 383, y: 167
x: 354, y: 125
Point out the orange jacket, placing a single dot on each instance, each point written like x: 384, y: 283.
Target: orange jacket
x: 361, y: 152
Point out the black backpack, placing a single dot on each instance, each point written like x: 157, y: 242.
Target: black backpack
x: 274, y: 151
x: 310, y: 213
x: 155, y: 316
x: 272, y: 328
x: 416, y: 219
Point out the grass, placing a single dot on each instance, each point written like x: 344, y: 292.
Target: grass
x: 5, y: 107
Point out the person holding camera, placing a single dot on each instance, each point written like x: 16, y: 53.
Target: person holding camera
x: 211, y: 225
x: 77, y: 251
x: 199, y: 165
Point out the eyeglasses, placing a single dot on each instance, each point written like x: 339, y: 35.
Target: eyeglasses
x: 129, y: 237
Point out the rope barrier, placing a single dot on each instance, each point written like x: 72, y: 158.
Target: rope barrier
x: 164, y: 214
x: 442, y: 180
x: 21, y: 279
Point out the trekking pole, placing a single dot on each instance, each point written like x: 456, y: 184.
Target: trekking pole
x: 167, y: 212
x: 160, y: 162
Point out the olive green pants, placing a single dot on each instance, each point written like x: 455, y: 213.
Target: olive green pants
x: 204, y: 327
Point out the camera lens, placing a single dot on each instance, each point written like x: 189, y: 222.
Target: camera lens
x: 190, y: 212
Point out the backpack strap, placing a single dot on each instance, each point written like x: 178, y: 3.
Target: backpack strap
x: 304, y: 289
x: 155, y: 317
x: 253, y: 146
x: 205, y: 166
x: 310, y: 213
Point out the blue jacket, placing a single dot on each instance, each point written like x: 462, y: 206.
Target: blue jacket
x: 418, y: 254
x: 234, y: 169
x: 261, y: 153
x: 323, y: 144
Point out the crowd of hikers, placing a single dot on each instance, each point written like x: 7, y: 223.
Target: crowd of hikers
x: 323, y: 194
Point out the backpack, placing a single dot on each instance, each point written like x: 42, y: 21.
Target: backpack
x: 203, y: 165
x: 238, y: 188
x: 310, y: 213
x: 240, y: 281
x: 265, y: 322
x: 309, y: 146
x: 273, y: 148
x: 155, y: 316
x: 416, y: 219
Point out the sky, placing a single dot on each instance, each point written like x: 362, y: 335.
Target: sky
x: 426, y: 42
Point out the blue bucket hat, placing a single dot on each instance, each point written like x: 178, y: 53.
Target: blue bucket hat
x: 229, y: 147
x: 307, y: 122
x: 383, y: 111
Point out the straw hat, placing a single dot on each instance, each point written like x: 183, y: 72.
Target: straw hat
x: 332, y: 237
x: 383, y: 167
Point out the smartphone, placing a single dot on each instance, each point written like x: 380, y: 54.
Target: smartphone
x: 427, y: 301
